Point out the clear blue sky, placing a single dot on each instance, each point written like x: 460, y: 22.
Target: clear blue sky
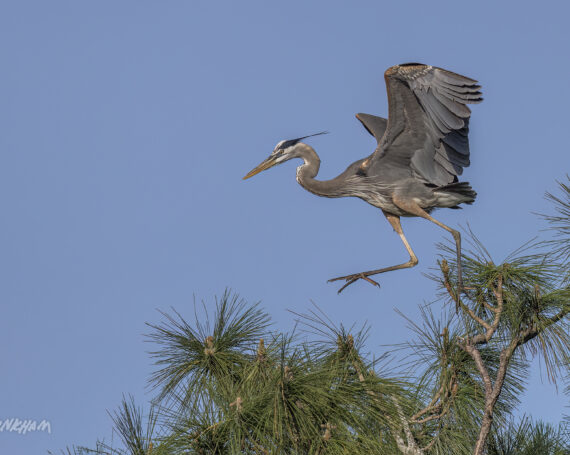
x: 126, y: 128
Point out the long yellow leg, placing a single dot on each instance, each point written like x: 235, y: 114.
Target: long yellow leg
x: 413, y: 208
x: 395, y: 222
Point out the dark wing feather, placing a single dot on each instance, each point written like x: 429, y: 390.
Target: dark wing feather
x: 428, y: 123
x: 376, y: 126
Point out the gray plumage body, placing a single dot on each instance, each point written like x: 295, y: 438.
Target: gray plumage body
x: 421, y: 150
x: 379, y: 188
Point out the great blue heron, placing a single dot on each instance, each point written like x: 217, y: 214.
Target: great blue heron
x: 422, y: 148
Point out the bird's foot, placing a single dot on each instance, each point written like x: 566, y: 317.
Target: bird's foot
x: 352, y: 279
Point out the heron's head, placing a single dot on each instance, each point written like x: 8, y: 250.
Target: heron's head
x: 283, y: 151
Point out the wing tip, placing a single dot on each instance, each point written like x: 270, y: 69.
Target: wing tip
x: 464, y: 80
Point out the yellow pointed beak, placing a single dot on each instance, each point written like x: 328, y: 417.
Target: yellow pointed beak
x: 266, y: 164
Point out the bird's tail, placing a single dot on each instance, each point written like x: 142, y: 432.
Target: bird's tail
x: 454, y: 194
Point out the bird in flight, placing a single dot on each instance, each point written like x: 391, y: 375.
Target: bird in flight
x: 422, y: 149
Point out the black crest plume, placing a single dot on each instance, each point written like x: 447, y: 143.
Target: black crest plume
x: 292, y: 142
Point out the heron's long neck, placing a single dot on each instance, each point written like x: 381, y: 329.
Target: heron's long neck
x: 307, y: 172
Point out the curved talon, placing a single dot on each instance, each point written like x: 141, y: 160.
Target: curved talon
x: 370, y: 280
x: 348, y: 283
x: 340, y: 278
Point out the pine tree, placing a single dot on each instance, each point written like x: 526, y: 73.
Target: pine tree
x: 229, y: 384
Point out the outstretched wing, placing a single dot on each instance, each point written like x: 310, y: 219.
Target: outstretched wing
x: 376, y: 126
x: 428, y: 123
